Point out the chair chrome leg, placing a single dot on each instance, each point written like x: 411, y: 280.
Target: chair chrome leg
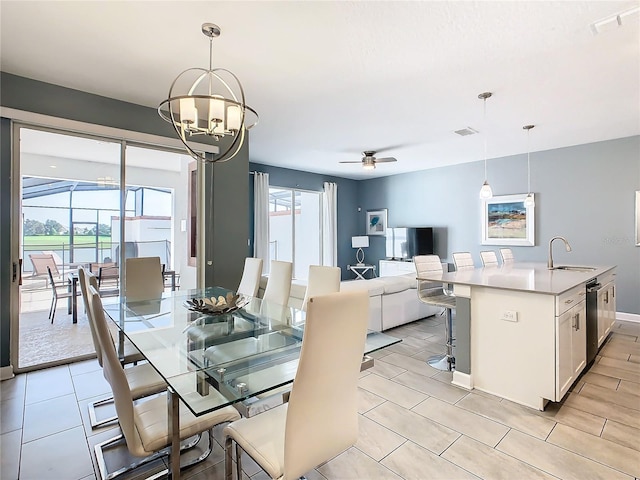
x: 95, y: 423
x: 119, y: 439
x: 238, y: 461
x: 228, y: 459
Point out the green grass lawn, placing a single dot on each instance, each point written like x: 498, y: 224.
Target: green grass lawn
x: 56, y: 242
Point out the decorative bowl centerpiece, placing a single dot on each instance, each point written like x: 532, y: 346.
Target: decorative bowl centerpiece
x: 217, y: 305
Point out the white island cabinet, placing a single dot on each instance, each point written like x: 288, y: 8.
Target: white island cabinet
x: 521, y: 329
x: 571, y: 338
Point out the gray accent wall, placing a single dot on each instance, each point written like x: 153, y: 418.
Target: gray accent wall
x: 347, y: 204
x: 584, y: 193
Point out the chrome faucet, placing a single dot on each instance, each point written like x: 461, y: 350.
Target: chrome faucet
x: 550, y: 260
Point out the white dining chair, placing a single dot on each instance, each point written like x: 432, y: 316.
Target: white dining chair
x: 279, y: 283
x: 250, y: 281
x: 144, y: 425
x: 143, y: 379
x: 321, y: 418
x: 322, y: 281
x: 489, y: 258
x: 436, y: 294
x: 463, y: 261
x: 143, y: 278
x: 507, y: 255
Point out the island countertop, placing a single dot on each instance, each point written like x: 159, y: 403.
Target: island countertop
x: 521, y: 276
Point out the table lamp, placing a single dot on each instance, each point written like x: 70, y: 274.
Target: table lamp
x: 360, y: 243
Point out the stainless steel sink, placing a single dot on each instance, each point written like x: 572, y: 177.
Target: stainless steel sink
x: 574, y: 268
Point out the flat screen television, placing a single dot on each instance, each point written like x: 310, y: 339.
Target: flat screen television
x: 403, y: 243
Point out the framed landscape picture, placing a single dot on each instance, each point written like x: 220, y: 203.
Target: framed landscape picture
x: 507, y: 221
x: 376, y: 222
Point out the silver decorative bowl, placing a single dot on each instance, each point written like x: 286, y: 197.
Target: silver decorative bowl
x: 216, y: 305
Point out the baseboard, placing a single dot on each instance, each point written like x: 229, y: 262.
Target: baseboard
x: 463, y: 380
x: 628, y: 317
x: 6, y: 372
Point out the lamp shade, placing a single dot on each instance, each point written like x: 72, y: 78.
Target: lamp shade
x: 360, y: 242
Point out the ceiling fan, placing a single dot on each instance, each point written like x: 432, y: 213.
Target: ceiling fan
x: 369, y: 160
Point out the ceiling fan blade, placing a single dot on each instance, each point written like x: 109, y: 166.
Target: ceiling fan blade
x: 356, y: 161
x: 386, y: 159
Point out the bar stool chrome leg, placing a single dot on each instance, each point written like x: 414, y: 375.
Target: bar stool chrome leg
x: 447, y: 361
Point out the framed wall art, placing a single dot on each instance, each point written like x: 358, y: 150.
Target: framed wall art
x: 506, y: 220
x: 376, y: 222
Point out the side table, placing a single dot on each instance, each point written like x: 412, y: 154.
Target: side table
x: 361, y: 270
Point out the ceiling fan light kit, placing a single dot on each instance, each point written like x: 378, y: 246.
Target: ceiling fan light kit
x: 211, y: 105
x: 369, y: 160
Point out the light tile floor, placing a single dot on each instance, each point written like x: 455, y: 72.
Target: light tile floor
x: 413, y: 423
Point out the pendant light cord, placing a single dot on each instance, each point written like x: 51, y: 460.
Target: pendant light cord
x: 484, y: 136
x: 528, y: 163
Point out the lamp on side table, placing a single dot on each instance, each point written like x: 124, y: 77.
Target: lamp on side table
x: 360, y: 243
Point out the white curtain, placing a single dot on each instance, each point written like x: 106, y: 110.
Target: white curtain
x: 261, y: 218
x: 330, y: 225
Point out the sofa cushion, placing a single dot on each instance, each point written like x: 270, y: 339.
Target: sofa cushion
x: 374, y: 286
x: 398, y: 283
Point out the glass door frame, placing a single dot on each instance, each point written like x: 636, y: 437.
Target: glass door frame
x: 16, y: 221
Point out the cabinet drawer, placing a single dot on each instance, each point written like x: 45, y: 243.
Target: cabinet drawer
x: 568, y: 299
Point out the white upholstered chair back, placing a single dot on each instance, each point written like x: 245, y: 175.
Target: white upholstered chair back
x: 279, y: 283
x: 85, y: 282
x: 322, y: 416
x: 322, y: 281
x: 114, y: 374
x: 143, y: 278
x: 507, y: 255
x: 489, y: 258
x: 250, y: 281
x: 463, y: 261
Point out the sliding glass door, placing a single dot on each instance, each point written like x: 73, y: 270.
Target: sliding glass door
x: 79, y: 197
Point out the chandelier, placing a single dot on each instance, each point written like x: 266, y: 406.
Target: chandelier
x: 209, y: 103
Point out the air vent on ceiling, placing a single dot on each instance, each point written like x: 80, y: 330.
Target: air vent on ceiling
x: 466, y: 131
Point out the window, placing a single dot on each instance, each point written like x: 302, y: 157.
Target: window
x: 295, y: 228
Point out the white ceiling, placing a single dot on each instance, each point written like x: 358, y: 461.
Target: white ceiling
x: 331, y: 79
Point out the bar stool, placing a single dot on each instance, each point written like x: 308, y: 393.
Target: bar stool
x: 489, y: 258
x: 507, y: 255
x: 435, y: 294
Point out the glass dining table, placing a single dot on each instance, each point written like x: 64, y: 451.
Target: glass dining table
x: 210, y: 361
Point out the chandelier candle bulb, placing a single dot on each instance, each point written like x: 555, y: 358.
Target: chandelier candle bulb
x: 216, y: 110
x: 188, y: 112
x: 233, y: 118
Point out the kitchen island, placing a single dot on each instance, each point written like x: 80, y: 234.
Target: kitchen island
x: 521, y: 329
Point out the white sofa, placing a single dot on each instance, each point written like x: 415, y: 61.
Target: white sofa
x: 393, y: 301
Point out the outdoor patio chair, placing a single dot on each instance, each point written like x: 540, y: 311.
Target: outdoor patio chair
x: 107, y: 273
x: 42, y: 261
x: 56, y: 294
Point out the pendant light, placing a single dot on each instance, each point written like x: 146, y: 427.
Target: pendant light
x: 485, y: 191
x: 529, y: 201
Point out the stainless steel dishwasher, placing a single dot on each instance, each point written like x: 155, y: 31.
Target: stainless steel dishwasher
x: 592, y: 318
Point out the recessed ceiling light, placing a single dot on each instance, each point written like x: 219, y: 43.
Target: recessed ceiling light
x: 52, y: 166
